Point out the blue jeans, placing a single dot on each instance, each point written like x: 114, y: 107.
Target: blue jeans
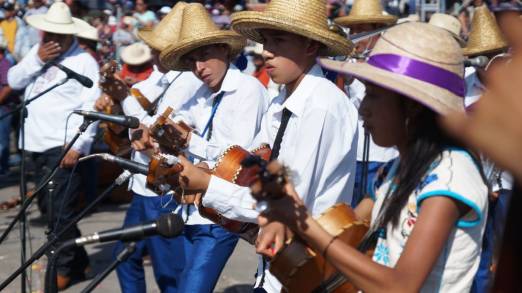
x: 207, y: 249
x: 497, y: 214
x: 5, y: 129
x: 358, y: 191
x: 167, y: 255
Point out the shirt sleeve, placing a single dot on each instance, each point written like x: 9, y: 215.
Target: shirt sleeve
x: 20, y: 75
x: 458, y: 177
x: 230, y: 200
x: 89, y: 96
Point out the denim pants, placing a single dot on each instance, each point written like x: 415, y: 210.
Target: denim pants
x: 167, y: 255
x: 207, y: 249
x: 5, y: 128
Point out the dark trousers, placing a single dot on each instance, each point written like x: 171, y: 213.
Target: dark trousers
x: 64, y: 198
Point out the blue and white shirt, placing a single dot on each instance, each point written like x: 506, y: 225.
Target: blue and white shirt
x: 455, y: 175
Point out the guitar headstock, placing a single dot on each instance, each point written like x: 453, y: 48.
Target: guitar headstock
x: 170, y: 135
x: 163, y: 171
x: 271, y: 178
x: 110, y: 84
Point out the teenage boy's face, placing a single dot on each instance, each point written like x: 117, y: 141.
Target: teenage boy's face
x: 209, y: 64
x: 383, y: 115
x: 287, y: 56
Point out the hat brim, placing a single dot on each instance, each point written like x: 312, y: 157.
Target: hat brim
x: 39, y: 22
x: 375, y: 19
x: 474, y: 51
x: 171, y: 56
x: 436, y: 98
x: 149, y: 38
x: 135, y: 61
x: 248, y: 24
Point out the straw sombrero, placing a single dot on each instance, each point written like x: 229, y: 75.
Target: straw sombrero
x: 418, y: 60
x: 88, y: 32
x: 198, y: 30
x: 56, y: 20
x: 485, y: 36
x: 166, y: 32
x: 366, y: 12
x: 303, y: 17
x: 136, y: 54
x: 449, y: 23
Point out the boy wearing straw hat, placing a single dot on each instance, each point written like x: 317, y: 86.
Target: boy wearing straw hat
x: 163, y: 88
x: 45, y: 125
x: 365, y: 16
x: 311, y: 126
x: 226, y: 110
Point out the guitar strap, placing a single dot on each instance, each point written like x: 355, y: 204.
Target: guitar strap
x: 154, y: 107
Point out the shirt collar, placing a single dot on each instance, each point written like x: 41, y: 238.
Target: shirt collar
x: 297, y: 100
x: 231, y: 81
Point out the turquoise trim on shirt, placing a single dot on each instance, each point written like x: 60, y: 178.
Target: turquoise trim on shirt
x: 460, y: 223
x: 466, y: 153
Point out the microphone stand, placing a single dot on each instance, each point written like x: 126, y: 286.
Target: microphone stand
x: 53, y: 237
x: 27, y: 202
x: 23, y: 186
x: 27, y: 102
x: 123, y: 256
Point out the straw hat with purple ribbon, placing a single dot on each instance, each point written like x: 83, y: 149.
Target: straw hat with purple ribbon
x: 418, y: 60
x: 366, y: 12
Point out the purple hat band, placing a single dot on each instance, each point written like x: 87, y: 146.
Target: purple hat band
x: 421, y: 71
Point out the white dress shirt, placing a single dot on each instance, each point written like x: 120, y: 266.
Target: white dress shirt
x: 237, y: 120
x: 180, y: 86
x: 319, y: 145
x: 47, y: 115
x: 356, y: 92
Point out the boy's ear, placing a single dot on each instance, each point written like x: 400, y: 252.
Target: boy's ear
x: 313, y: 47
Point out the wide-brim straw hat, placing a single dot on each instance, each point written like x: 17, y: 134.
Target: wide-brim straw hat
x: 449, y: 23
x: 485, y: 36
x: 302, y: 17
x: 417, y: 60
x: 167, y: 31
x: 136, y: 54
x: 57, y: 19
x: 198, y: 30
x: 88, y: 32
x: 366, y: 12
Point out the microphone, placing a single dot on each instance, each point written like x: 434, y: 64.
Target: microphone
x: 84, y: 80
x: 168, y: 225
x: 479, y: 61
x: 126, y: 121
x: 133, y: 167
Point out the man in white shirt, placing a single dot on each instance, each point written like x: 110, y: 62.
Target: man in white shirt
x: 45, y: 124
x: 311, y: 126
x: 226, y: 110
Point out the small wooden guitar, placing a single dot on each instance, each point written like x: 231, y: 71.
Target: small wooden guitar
x: 170, y: 135
x: 298, y: 267
x: 115, y: 136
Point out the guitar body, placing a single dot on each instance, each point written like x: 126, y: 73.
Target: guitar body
x: 228, y: 167
x: 300, y: 269
x: 162, y: 176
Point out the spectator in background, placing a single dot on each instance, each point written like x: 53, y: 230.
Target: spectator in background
x: 5, y: 124
x: 146, y: 18
x: 163, y: 11
x: 14, y: 32
x: 137, y: 63
x: 36, y: 7
x: 124, y: 35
